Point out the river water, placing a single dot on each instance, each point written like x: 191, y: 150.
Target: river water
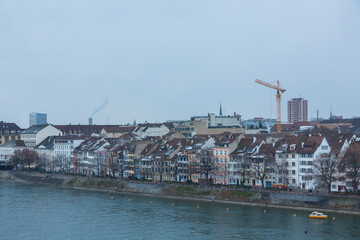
x: 45, y: 212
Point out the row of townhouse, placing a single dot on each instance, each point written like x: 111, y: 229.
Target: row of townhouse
x: 233, y: 159
x: 288, y: 161
x: 90, y: 156
x: 151, y: 152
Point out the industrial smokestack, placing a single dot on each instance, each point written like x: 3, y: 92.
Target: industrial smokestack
x: 317, y: 116
x: 90, y: 121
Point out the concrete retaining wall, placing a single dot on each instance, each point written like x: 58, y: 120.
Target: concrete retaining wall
x: 342, y: 204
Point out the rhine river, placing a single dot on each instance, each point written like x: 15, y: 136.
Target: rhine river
x: 43, y: 212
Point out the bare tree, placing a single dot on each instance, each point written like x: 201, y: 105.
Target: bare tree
x: 42, y: 162
x: 174, y: 168
x: 283, y: 171
x: 29, y: 157
x: 112, y: 164
x: 244, y: 169
x: 24, y: 157
x: 60, y: 162
x: 325, y: 166
x: 16, y: 159
x: 193, y: 166
x: 352, y: 165
x: 206, y: 163
x: 261, y: 167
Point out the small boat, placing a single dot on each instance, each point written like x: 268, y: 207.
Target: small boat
x: 317, y: 214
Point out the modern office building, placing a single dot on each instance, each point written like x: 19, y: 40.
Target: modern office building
x: 297, y: 110
x: 37, y: 119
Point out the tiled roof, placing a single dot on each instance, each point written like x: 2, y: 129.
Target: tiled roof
x: 14, y: 143
x: 47, y: 143
x: 70, y: 137
x: 352, y: 151
x: 91, y: 144
x: 34, y: 129
x: 84, y: 129
x: 291, y: 127
x: 4, y: 126
x: 118, y: 129
x: 311, y: 144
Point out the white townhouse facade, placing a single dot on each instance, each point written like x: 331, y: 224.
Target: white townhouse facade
x: 312, y: 148
x: 64, y: 151
x: 287, y: 159
x: 64, y: 145
x: 8, y: 149
x: 37, y: 133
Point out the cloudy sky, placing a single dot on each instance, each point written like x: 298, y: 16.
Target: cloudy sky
x: 165, y: 60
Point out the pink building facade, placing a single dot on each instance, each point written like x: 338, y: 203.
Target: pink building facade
x: 297, y: 110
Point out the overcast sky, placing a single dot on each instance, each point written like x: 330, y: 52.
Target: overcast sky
x: 170, y: 60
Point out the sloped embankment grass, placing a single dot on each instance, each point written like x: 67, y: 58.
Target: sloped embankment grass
x: 240, y: 196
x: 96, y: 183
x: 190, y: 192
x: 341, y: 203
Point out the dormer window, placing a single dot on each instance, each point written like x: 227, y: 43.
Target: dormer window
x: 292, y: 147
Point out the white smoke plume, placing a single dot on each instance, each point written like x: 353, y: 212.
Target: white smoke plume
x: 100, y: 107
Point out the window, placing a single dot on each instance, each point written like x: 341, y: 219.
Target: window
x: 293, y: 172
x: 293, y: 181
x: 293, y: 155
x: 293, y: 164
x: 292, y: 147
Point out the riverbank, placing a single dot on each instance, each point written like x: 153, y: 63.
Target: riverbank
x: 266, y: 199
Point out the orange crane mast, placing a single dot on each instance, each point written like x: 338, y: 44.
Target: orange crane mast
x: 278, y: 99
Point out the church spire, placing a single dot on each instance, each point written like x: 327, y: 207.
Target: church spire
x: 220, y: 113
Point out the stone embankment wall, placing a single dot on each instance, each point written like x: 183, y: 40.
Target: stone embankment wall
x: 344, y: 204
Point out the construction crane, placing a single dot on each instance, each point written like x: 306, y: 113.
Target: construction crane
x: 278, y: 99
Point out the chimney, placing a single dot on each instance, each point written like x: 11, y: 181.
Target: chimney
x: 90, y: 121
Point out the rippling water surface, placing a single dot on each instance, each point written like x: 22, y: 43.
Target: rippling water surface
x: 39, y: 212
